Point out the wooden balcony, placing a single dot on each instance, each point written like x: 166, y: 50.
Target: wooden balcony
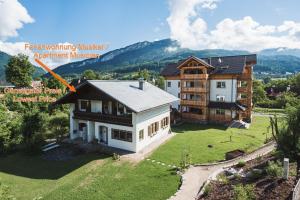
x: 99, y: 117
x: 242, y: 89
x: 193, y: 102
x: 243, y: 101
x: 194, y: 89
x: 194, y: 76
x: 193, y: 116
x: 220, y: 118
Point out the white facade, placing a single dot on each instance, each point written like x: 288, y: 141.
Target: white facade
x: 173, y: 87
x: 227, y: 94
x: 103, y: 131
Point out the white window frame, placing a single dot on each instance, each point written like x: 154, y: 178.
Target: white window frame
x: 220, y: 98
x: 222, y: 84
x: 81, y: 100
x: 169, y: 84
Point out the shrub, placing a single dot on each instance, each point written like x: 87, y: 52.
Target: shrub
x: 116, y: 156
x: 241, y: 163
x: 274, y: 169
x: 223, y: 178
x: 243, y: 192
x: 207, y: 189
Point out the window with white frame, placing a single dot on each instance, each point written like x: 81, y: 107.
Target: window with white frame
x: 221, y: 84
x: 169, y: 83
x: 220, y: 98
x: 83, y: 105
x: 141, y: 135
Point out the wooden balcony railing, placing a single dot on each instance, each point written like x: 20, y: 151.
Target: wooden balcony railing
x: 193, y: 116
x: 99, y: 117
x: 193, y: 102
x: 242, y: 89
x: 194, y: 76
x: 220, y: 118
x: 194, y: 89
x: 243, y: 101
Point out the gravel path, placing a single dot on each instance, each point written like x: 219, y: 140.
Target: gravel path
x: 196, y: 176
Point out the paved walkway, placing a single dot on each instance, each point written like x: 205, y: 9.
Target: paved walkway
x: 196, y: 176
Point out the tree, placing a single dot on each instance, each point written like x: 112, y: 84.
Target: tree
x: 19, y: 71
x: 287, y: 136
x: 54, y: 84
x: 144, y: 74
x: 160, y: 82
x: 89, y: 74
x: 259, y: 93
x: 59, y: 125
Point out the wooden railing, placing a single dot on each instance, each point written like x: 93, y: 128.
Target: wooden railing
x: 242, y: 89
x: 193, y: 102
x: 222, y: 118
x: 243, y: 101
x: 99, y: 117
x: 188, y: 115
x: 194, y: 89
x: 194, y: 76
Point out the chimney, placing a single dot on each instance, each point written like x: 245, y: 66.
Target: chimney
x: 141, y: 83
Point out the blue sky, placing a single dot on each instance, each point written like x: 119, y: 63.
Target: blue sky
x: 250, y: 25
x: 120, y: 22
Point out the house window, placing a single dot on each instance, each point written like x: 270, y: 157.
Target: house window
x: 120, y: 109
x: 123, y: 135
x: 164, y: 122
x: 153, y: 129
x: 221, y: 84
x: 195, y: 111
x: 178, y: 95
x: 220, y: 112
x: 179, y: 84
x: 141, y: 135
x: 169, y: 83
x: 221, y: 98
x: 83, y: 105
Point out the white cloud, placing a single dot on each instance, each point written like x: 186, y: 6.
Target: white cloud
x: 13, y: 16
x: 191, y: 31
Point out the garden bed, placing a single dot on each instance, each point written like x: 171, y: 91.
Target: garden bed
x: 257, y: 179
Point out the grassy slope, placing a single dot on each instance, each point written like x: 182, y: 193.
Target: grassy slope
x: 86, y: 177
x: 197, y: 137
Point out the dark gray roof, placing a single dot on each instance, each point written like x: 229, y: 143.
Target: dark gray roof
x: 226, y: 105
x: 129, y: 94
x: 222, y: 64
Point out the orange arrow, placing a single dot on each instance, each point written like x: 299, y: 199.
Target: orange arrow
x: 63, y: 81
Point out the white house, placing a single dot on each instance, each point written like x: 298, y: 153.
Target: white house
x: 123, y: 114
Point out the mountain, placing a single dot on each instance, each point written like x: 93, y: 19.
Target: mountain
x: 282, y: 51
x: 155, y: 55
x: 151, y: 55
x: 4, y: 58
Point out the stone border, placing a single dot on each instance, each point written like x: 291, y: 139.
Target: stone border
x: 235, y: 159
x: 296, y: 191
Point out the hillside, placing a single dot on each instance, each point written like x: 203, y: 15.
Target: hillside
x: 4, y: 57
x: 155, y: 55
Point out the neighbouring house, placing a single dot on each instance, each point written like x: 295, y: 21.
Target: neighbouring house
x: 127, y: 115
x: 216, y: 89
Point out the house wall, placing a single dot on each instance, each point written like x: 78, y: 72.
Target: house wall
x: 130, y: 146
x: 174, y: 90
x: 230, y: 91
x: 229, y: 115
x: 144, y: 119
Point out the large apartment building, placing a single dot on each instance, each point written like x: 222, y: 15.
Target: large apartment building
x: 215, y: 89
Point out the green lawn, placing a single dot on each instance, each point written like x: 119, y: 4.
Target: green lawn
x: 196, y: 138
x: 94, y: 176
x: 86, y: 177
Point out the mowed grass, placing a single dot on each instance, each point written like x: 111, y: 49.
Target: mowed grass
x: 86, y: 177
x: 195, y: 138
x: 92, y: 176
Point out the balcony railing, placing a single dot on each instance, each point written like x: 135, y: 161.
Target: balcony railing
x: 193, y: 102
x: 193, y: 116
x: 99, y: 117
x: 243, y: 89
x: 243, y: 101
x: 194, y: 76
x: 194, y: 89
